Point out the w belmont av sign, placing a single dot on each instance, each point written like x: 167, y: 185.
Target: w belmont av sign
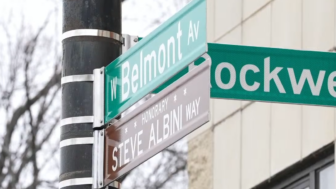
x: 156, y: 58
x: 276, y: 75
x: 159, y: 122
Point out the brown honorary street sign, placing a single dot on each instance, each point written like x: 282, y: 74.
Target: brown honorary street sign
x: 158, y: 123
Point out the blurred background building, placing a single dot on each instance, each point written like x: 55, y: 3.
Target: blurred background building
x: 267, y: 145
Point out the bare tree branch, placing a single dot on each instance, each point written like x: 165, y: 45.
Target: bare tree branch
x: 26, y: 102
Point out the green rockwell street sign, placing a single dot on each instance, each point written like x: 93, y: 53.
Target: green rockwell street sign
x: 271, y: 74
x: 155, y: 59
x: 274, y: 75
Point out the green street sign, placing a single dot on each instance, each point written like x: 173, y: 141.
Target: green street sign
x: 270, y: 74
x: 273, y: 75
x: 155, y: 59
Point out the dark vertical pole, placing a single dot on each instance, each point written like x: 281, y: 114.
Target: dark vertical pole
x: 82, y: 52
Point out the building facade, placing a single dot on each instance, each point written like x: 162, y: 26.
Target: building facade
x: 267, y: 145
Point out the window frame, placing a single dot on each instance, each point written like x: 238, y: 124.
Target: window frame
x: 306, y: 169
x: 304, y: 181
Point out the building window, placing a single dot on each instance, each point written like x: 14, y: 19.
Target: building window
x: 326, y: 177
x: 316, y: 171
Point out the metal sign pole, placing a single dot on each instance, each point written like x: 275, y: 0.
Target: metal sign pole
x: 91, y: 39
x: 98, y: 133
x: 98, y: 121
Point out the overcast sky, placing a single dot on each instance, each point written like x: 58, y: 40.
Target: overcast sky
x: 139, y: 17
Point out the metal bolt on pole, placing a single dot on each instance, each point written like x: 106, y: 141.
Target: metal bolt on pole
x: 91, y: 39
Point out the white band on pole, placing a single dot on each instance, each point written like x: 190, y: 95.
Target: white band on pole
x: 76, y: 141
x: 76, y: 181
x: 74, y: 120
x: 77, y: 78
x: 92, y: 32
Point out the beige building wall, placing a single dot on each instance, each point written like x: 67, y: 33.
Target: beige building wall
x: 245, y: 142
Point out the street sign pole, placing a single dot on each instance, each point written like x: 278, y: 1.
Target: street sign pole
x: 91, y: 39
x: 98, y: 133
